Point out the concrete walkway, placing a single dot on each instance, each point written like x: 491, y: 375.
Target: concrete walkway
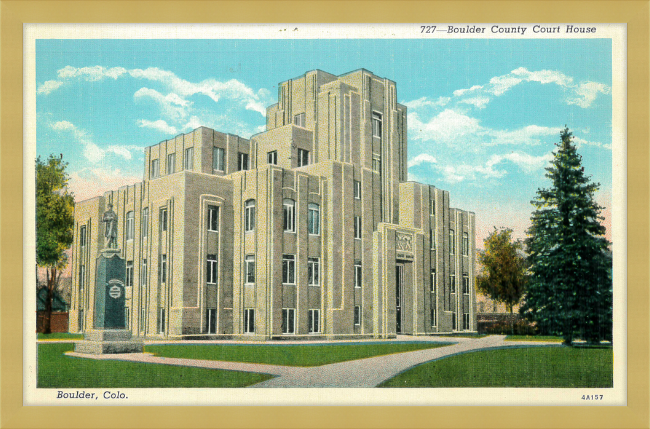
x: 368, y: 372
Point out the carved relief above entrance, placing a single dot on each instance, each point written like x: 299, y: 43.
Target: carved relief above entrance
x: 403, y: 242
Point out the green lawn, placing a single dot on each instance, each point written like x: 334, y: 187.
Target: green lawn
x: 58, y: 370
x: 293, y: 355
x: 522, y: 367
x: 60, y: 336
x: 547, y: 338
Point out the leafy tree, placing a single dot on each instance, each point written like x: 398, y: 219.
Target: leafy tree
x: 503, y: 268
x: 54, y: 224
x: 570, y: 288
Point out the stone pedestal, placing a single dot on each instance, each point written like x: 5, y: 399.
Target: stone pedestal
x: 107, y: 341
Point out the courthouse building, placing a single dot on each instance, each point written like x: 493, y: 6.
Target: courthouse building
x: 309, y: 228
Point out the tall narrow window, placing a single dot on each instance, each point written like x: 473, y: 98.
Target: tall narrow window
x: 452, y: 283
x: 211, y: 322
x: 272, y: 157
x: 161, y: 320
x: 358, y: 273
x: 465, y: 244
x: 143, y: 273
x: 163, y: 219
x: 249, y: 216
x: 357, y: 189
x: 313, y: 271
x: 162, y: 268
x: 130, y: 225
x: 453, y: 321
x: 452, y: 242
x: 299, y: 120
x: 211, y: 269
x: 155, y: 169
x: 433, y: 314
x: 432, y: 207
x: 357, y: 315
x: 432, y: 237
x: 249, y: 267
x: 303, y: 157
x: 376, y: 163
x: 127, y: 317
x: 249, y: 321
x: 143, y: 319
x: 465, y: 284
x: 289, y: 215
x: 82, y: 276
x: 242, y: 161
x: 171, y: 163
x: 289, y: 269
x: 313, y: 219
x: 217, y: 159
x: 376, y: 124
x: 189, y: 158
x: 288, y: 320
x: 313, y: 320
x: 129, y: 273
x: 357, y: 227
x: 213, y: 218
x: 82, y: 236
x: 433, y: 280
x: 466, y: 321
x: 144, y: 228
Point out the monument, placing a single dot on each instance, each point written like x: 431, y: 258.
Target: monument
x: 110, y: 333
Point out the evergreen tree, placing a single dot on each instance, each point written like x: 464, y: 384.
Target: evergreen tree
x: 54, y: 224
x: 570, y: 287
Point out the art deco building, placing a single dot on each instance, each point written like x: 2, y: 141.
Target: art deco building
x: 307, y: 229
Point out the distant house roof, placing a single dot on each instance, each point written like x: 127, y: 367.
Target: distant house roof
x: 58, y: 303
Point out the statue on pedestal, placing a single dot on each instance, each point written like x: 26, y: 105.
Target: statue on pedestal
x: 110, y: 219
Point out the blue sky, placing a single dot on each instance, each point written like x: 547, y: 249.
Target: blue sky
x: 484, y: 115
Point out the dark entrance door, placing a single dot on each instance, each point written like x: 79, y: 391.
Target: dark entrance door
x: 399, y: 277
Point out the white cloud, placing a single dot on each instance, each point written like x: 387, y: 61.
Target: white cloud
x: 585, y: 93
x: 447, y: 126
x: 579, y: 142
x: 48, y: 86
x: 479, y: 102
x: 93, y: 73
x: 500, y: 84
x: 171, y: 105
x: 420, y: 159
x: 159, y: 125
x: 91, y: 151
x: 91, y: 182
x: 63, y: 125
x: 460, y: 92
x: 425, y: 102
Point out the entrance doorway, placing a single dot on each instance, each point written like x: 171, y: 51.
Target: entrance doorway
x: 399, y: 280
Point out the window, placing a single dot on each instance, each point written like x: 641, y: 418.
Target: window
x: 357, y: 315
x: 213, y: 218
x: 432, y: 237
x: 82, y: 276
x: 82, y: 236
x: 163, y: 219
x: 155, y: 169
x: 432, y: 207
x: 453, y: 321
x: 466, y: 321
x: 249, y: 216
x: 211, y: 320
x: 433, y: 314
x: 249, y: 269
x: 313, y: 271
x: 465, y: 244
x: 217, y: 159
x: 452, y: 242
x: 313, y: 320
x: 272, y: 157
x: 171, y: 163
x: 129, y: 273
x: 249, y: 320
x: 143, y: 320
x: 465, y: 285
x: 144, y: 228
x: 357, y: 274
x: 162, y: 268
x: 143, y: 273
x: 313, y: 219
x: 303, y: 157
x: 289, y: 215
x: 376, y: 124
x: 127, y: 317
x: 376, y: 164
x: 189, y: 158
x: 357, y: 227
x: 130, y: 226
x: 433, y: 281
x: 288, y: 320
x: 452, y: 283
x: 81, y: 320
x: 211, y: 274
x: 299, y: 120
x: 357, y: 190
x: 289, y: 269
x: 242, y: 161
x: 161, y: 320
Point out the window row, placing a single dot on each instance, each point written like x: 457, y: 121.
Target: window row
x: 188, y: 163
x: 288, y: 321
x: 289, y: 219
x: 452, y: 241
x: 288, y: 270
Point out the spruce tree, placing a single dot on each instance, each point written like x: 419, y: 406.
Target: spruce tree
x: 570, y: 285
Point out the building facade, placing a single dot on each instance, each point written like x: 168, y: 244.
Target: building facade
x: 307, y: 229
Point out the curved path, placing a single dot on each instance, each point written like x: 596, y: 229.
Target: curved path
x: 368, y: 372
